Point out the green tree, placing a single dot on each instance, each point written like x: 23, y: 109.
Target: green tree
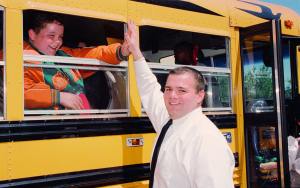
x: 258, y: 83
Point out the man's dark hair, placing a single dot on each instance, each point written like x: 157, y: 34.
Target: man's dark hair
x: 183, y: 53
x: 40, y: 19
x: 183, y: 46
x: 200, y: 81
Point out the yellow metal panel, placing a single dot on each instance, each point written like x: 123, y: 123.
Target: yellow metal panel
x: 36, y: 158
x: 294, y: 30
x: 240, y: 18
x: 214, y: 6
x: 236, y: 75
x: 14, y: 64
x: 146, y: 14
x: 111, y: 10
x: 134, y: 98
x: 141, y: 184
x: 4, y: 161
x: 15, y: 4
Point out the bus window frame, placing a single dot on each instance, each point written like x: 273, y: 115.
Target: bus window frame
x: 81, y: 64
x: 158, y: 67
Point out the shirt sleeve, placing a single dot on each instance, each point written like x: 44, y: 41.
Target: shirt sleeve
x: 107, y: 53
x: 37, y: 94
x: 151, y: 95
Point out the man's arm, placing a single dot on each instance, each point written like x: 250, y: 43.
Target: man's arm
x: 151, y: 95
x: 149, y: 88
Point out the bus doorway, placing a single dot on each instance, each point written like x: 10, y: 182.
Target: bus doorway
x: 291, y: 60
x: 264, y: 106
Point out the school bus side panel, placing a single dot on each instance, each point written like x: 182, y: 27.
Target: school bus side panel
x: 45, y: 157
x: 146, y: 14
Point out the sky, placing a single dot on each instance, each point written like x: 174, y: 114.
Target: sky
x: 293, y: 4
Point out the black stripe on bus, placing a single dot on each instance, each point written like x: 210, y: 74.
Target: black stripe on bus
x: 179, y: 4
x: 56, y: 129
x: 52, y: 129
x: 90, y: 178
x: 224, y: 121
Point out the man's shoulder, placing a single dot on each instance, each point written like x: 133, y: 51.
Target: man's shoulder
x: 202, y: 125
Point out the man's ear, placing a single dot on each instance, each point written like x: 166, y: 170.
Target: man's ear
x: 201, y: 96
x: 31, y: 34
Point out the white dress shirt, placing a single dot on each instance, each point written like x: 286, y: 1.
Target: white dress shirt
x: 194, y: 153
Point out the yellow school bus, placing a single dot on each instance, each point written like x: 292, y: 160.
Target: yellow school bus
x: 248, y: 52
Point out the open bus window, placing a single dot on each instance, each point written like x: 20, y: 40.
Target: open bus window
x: 80, y: 76
x: 209, y: 54
x: 159, y: 45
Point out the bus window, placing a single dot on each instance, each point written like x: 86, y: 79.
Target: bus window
x: 54, y: 83
x: 158, y: 45
x: 258, y: 75
x: 165, y: 49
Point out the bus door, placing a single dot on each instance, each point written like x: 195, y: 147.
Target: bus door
x: 291, y: 62
x: 264, y: 115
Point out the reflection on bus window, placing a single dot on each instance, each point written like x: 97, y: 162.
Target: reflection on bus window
x: 217, y: 91
x: 51, y: 85
x: 287, y: 70
x: 258, y: 76
x: 159, y: 44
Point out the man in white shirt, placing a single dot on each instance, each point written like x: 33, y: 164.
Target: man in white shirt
x: 193, y: 153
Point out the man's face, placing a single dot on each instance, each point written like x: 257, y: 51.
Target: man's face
x: 49, y: 39
x: 181, y: 96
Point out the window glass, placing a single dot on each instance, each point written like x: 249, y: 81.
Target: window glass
x: 104, y: 89
x: 258, y: 62
x: 287, y: 69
